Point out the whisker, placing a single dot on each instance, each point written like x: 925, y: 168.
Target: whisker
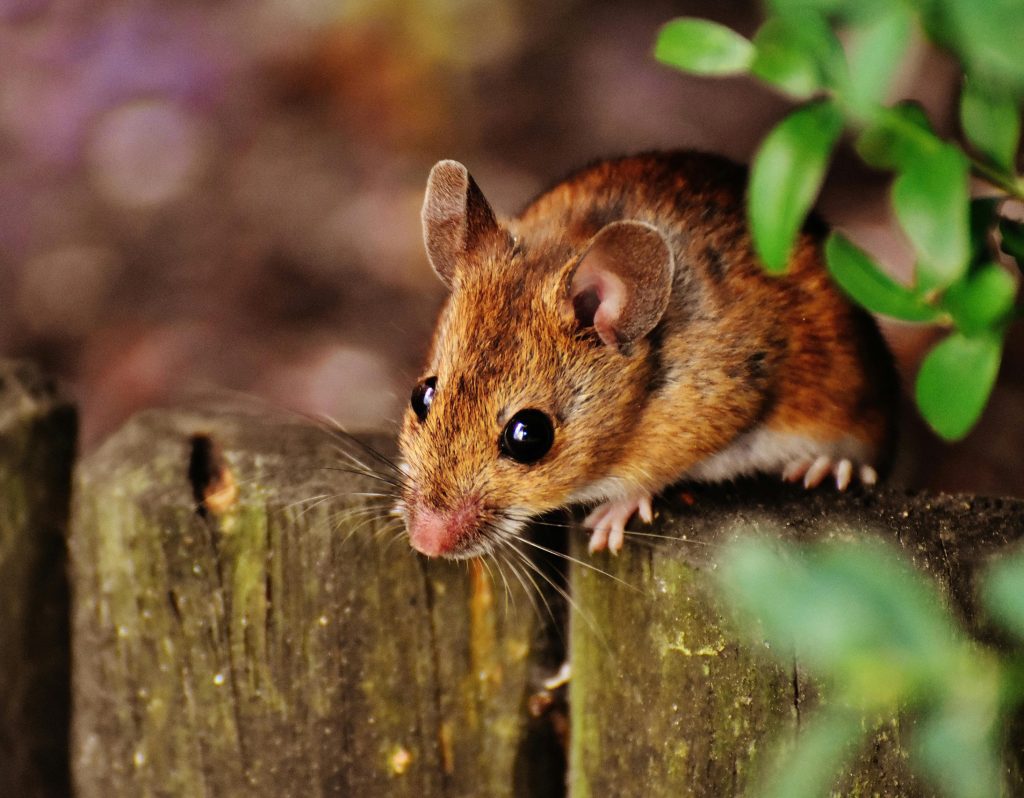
x: 315, y: 498
x: 367, y: 474
x: 533, y: 591
x: 357, y: 463
x: 534, y: 521
x: 378, y: 511
x: 390, y: 543
x: 497, y: 565
x: 322, y: 422
x: 501, y: 560
x: 366, y: 522
x: 360, y: 467
x: 334, y: 427
x: 579, y: 562
x: 389, y: 533
x: 565, y: 595
x: 312, y: 506
x: 368, y: 515
x: 336, y: 519
x: 486, y: 563
x: 318, y: 499
x: 669, y: 538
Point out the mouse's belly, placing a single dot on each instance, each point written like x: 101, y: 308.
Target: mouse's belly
x: 764, y: 450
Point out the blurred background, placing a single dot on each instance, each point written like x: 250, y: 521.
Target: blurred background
x: 226, y: 194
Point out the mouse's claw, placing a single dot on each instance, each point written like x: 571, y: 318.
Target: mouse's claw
x: 609, y: 521
x: 812, y: 472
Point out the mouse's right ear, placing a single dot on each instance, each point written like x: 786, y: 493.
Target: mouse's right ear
x: 622, y: 283
x: 456, y: 217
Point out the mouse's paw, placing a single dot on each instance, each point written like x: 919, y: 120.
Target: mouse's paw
x: 813, y: 471
x: 609, y: 520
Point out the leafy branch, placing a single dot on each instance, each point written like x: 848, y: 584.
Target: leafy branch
x: 877, y: 633
x: 968, y: 254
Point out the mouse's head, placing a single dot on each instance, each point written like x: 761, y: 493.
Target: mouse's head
x: 539, y: 363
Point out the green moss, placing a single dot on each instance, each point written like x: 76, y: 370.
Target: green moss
x: 663, y: 699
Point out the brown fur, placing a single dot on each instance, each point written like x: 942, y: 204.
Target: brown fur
x: 736, y: 349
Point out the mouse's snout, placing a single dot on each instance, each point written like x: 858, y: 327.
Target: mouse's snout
x: 446, y: 532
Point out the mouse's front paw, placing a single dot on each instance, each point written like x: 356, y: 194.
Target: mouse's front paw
x: 813, y: 471
x: 609, y: 520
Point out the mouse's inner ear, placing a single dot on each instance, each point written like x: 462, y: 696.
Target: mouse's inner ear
x: 456, y: 218
x: 622, y: 283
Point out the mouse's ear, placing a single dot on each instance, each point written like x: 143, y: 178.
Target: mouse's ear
x: 456, y: 217
x: 622, y: 283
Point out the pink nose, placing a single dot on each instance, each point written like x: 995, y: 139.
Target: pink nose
x: 439, y: 533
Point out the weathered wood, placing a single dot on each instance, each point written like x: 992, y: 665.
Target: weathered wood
x: 273, y: 643
x: 264, y: 644
x: 37, y: 444
x: 666, y: 700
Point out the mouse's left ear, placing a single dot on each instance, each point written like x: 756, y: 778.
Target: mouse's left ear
x: 622, y: 283
x: 456, y: 218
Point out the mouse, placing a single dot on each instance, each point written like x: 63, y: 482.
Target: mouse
x: 619, y: 336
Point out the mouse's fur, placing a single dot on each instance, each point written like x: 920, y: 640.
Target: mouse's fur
x: 733, y: 371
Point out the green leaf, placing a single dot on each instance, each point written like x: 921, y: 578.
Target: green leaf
x: 798, y: 58
x: 876, y: 50
x: 955, y: 380
x: 856, y: 614
x: 1003, y: 592
x: 846, y: 10
x: 703, y: 47
x: 959, y: 748
x: 898, y: 135
x: 786, y: 175
x: 809, y: 768
x: 930, y: 200
x: 982, y: 300
x: 795, y: 9
x: 865, y: 283
x: 991, y: 122
x: 1012, y: 234
x: 985, y: 35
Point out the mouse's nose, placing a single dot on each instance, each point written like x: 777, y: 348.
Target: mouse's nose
x: 442, y: 533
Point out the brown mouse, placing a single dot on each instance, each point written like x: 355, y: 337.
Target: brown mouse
x: 617, y: 336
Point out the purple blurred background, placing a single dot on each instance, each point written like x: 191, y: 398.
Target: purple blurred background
x: 200, y: 194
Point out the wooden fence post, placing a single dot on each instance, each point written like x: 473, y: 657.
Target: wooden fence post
x: 243, y: 627
x: 665, y: 698
x: 37, y: 444
x: 269, y: 641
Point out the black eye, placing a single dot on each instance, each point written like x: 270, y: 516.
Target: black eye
x: 527, y: 436
x: 422, y: 396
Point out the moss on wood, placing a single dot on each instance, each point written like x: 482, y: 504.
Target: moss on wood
x: 244, y: 624
x: 666, y: 698
x: 270, y: 640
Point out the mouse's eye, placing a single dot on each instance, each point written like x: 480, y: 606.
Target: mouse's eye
x: 527, y: 436
x: 422, y: 396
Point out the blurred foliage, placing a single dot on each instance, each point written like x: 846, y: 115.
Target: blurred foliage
x: 858, y: 616
x: 877, y: 633
x: 841, y: 58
